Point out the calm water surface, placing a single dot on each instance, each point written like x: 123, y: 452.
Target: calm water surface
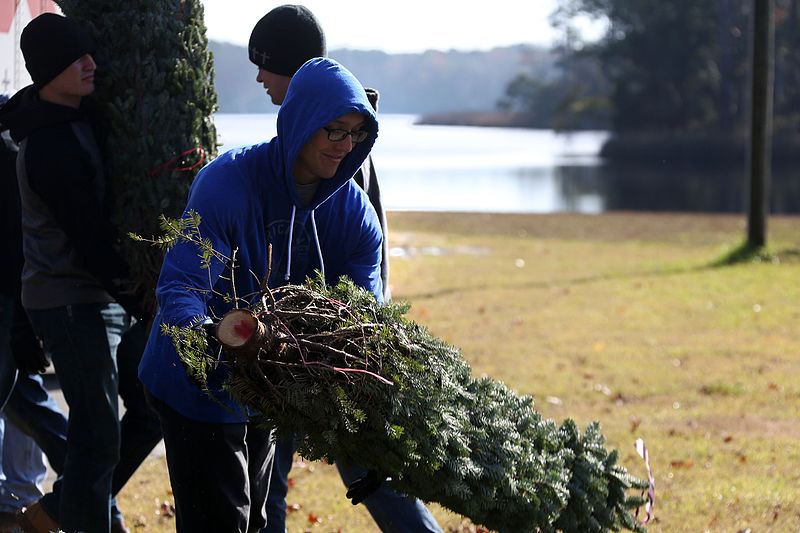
x: 452, y: 168
x: 457, y: 168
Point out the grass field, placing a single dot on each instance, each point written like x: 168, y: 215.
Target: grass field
x: 621, y: 318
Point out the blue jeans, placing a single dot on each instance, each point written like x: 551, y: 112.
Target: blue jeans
x: 140, y: 426
x: 22, y: 469
x: 391, y: 511
x: 31, y: 409
x: 36, y: 413
x: 82, y: 340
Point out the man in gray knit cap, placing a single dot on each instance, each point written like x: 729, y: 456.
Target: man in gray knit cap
x: 280, y: 43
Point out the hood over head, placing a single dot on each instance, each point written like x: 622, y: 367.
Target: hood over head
x: 320, y: 92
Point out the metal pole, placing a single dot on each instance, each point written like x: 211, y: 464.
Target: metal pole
x: 761, y: 121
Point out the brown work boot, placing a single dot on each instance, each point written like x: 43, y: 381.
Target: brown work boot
x: 34, y: 519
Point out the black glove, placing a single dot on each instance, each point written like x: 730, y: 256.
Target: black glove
x: 360, y: 489
x: 25, y: 347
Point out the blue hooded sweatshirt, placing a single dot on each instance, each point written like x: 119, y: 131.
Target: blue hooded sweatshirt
x: 247, y: 199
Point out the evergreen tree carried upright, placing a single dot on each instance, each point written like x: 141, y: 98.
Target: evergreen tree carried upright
x: 155, y: 89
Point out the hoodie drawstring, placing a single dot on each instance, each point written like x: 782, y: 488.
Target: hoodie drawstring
x: 288, y: 274
x: 289, y: 247
x: 319, y: 250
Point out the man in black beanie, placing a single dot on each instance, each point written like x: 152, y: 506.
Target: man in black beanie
x: 72, y: 274
x: 50, y: 43
x: 280, y: 43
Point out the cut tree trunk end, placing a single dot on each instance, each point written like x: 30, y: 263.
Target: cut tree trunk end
x: 243, y: 334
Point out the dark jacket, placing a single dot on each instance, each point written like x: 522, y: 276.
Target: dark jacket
x: 10, y: 232
x: 68, y: 240
x: 367, y: 179
x: 27, y: 352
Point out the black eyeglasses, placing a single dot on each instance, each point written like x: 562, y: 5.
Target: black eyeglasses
x: 336, y: 135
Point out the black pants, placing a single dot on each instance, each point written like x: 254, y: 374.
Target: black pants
x: 219, y: 472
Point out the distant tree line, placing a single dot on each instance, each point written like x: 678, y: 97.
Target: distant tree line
x: 664, y: 68
x: 426, y: 82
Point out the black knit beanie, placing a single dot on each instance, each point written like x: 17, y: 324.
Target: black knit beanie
x: 50, y: 43
x: 285, y: 38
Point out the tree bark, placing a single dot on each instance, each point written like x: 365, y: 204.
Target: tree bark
x: 761, y: 121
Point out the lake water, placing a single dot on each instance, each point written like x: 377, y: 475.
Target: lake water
x: 454, y: 168
x: 511, y: 170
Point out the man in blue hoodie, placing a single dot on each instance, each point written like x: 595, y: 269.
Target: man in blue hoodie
x: 295, y: 194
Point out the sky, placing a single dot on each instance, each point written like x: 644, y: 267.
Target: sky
x: 399, y: 26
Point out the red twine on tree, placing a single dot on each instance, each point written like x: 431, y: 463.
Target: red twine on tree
x: 641, y: 449
x: 171, y: 164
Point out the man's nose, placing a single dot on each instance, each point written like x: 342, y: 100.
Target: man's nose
x: 346, y: 144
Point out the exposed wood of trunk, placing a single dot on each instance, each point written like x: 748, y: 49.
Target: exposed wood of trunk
x: 242, y: 334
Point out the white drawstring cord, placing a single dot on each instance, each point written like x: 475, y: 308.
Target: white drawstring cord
x: 289, y: 247
x: 319, y: 250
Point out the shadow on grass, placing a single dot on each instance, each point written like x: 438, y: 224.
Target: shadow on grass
x: 669, y: 271
x: 740, y: 254
x: 745, y: 253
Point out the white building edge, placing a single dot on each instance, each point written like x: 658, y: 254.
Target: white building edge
x: 14, y: 15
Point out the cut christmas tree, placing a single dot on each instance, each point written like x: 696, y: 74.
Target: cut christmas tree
x: 155, y: 90
x: 357, y: 381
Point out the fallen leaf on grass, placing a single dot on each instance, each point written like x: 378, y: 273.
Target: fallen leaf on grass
x: 602, y: 388
x: 294, y: 507
x: 314, y: 519
x: 165, y: 509
x: 681, y: 464
x: 467, y: 527
x: 776, y: 512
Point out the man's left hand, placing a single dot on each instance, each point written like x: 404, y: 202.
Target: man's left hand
x: 360, y: 489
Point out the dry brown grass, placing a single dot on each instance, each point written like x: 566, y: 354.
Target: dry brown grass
x: 618, y: 318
